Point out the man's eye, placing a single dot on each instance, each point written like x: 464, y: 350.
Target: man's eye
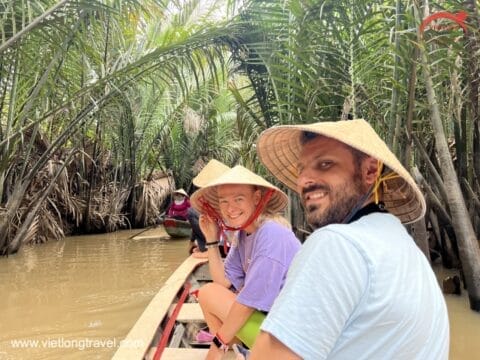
x: 325, y: 164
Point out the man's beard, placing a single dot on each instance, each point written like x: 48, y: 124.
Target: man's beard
x: 344, y: 197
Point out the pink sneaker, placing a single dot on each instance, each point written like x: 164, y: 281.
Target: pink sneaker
x: 204, y: 336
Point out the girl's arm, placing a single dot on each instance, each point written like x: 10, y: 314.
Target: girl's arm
x: 237, y: 317
x: 215, y: 263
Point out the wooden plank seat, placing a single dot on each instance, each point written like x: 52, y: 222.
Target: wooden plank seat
x: 189, y: 312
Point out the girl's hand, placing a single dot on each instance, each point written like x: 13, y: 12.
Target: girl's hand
x: 209, y: 228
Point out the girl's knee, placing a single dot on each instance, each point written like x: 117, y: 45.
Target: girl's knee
x: 206, y: 291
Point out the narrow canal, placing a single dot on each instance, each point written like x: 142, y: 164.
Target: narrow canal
x: 78, y: 298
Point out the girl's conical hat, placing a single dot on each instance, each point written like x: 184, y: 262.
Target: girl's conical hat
x: 240, y: 176
x: 212, y: 170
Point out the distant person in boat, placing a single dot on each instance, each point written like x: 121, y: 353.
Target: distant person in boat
x: 359, y: 288
x: 179, y: 207
x: 245, y: 286
x: 210, y: 171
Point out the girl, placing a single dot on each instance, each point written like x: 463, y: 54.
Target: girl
x: 245, y: 286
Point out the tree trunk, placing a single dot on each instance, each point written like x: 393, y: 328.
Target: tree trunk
x: 473, y: 197
x: 473, y: 76
x: 438, y: 182
x: 410, y: 107
x: 13, y: 204
x: 438, y: 211
x: 449, y: 260
x: 420, y: 235
x: 395, y: 120
x: 467, y: 242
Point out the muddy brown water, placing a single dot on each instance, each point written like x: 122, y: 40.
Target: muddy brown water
x: 78, y: 298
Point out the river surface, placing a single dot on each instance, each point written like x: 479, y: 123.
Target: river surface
x: 78, y: 298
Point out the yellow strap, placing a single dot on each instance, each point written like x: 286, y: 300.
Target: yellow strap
x: 380, y: 179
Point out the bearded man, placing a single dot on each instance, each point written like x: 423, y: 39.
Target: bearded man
x: 359, y: 288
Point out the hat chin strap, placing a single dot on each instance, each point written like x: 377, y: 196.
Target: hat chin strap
x: 223, y: 226
x: 373, y: 190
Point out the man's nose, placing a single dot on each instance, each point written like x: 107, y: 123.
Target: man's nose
x: 305, y: 178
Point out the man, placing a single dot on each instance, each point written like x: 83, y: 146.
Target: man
x: 359, y: 288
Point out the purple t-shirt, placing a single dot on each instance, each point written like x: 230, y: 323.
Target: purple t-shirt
x: 258, y: 264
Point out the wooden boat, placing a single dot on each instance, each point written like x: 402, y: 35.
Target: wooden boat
x: 177, y: 228
x: 168, y: 325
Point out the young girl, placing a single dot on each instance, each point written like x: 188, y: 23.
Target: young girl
x: 245, y: 286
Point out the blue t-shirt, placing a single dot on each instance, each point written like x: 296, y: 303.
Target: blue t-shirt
x: 361, y: 291
x: 257, y: 265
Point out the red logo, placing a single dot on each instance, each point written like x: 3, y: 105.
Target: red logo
x: 458, y: 17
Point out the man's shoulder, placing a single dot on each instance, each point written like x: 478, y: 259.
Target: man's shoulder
x: 331, y: 240
x: 371, y: 233
x: 374, y: 223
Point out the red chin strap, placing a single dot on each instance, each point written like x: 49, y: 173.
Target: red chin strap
x: 210, y: 211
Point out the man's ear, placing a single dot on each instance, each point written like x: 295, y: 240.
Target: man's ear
x: 370, y: 170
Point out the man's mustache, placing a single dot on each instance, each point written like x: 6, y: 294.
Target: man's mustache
x: 314, y: 187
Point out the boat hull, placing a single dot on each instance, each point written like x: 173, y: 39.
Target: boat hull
x: 153, y: 337
x: 177, y: 228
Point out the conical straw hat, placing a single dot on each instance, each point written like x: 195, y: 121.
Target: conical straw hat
x: 181, y: 191
x: 279, y: 150
x: 240, y: 176
x: 212, y: 170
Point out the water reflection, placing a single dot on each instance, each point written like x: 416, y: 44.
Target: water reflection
x: 79, y: 297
